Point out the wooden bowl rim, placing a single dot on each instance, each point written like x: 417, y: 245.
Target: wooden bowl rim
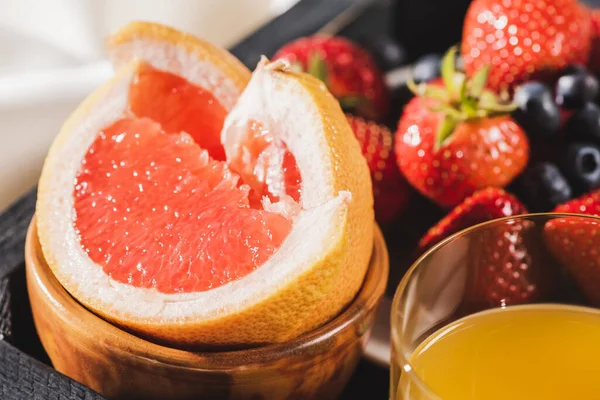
x: 128, y: 346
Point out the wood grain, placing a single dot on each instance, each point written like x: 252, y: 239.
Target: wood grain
x: 119, y: 365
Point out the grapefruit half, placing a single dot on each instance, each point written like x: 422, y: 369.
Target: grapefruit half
x: 196, y: 213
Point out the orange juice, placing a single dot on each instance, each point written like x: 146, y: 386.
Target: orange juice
x: 524, y: 352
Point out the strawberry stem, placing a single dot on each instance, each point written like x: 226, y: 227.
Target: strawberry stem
x: 477, y: 83
x: 317, y: 67
x: 430, y: 91
x: 489, y: 102
x: 460, y: 99
x: 449, y: 71
x: 445, y: 130
x: 351, y: 101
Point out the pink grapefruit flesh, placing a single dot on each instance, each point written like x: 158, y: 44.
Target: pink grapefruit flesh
x: 265, y: 164
x: 179, y: 105
x: 155, y: 211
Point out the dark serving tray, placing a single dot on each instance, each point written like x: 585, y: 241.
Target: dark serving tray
x: 25, y: 370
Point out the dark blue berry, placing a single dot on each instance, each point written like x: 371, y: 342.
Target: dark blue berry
x: 543, y: 187
x: 584, y: 125
x: 582, y: 166
x: 574, y: 69
x: 574, y: 90
x: 538, y: 114
x: 427, y: 68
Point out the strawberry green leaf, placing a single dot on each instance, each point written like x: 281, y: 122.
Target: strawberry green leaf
x: 317, y: 67
x: 460, y: 99
x: 431, y: 91
x: 477, y: 83
x: 449, y: 72
x: 351, y: 101
x: 445, y: 130
x: 447, y: 109
x: 492, y: 104
x: 469, y: 107
x: 468, y: 104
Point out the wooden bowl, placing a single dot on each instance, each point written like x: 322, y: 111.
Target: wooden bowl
x: 120, y: 365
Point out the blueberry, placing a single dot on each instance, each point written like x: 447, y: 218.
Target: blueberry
x: 574, y: 90
x: 584, y: 125
x: 538, y: 114
x: 544, y: 187
x: 582, y: 166
x: 427, y: 68
x: 574, y: 69
x: 388, y: 53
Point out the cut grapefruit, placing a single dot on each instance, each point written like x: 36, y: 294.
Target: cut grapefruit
x: 197, y: 215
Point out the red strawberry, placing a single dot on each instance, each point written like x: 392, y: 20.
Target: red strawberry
x: 484, y: 205
x: 508, y: 265
x: 575, y: 242
x: 349, y: 72
x: 390, y: 189
x: 587, y: 204
x: 519, y: 38
x: 594, y: 62
x: 457, y: 138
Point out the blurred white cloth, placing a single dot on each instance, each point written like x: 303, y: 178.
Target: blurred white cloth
x: 51, y: 57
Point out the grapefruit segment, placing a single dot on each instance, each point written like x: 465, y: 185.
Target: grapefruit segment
x: 178, y: 105
x: 141, y: 225
x: 197, y: 61
x: 263, y: 161
x: 156, y: 212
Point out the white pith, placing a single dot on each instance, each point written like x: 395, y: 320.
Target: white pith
x: 315, y: 231
x: 289, y: 120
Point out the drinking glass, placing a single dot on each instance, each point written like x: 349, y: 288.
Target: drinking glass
x: 466, y: 274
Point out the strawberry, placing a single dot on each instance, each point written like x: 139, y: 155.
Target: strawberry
x: 521, y: 38
x: 483, y: 205
x: 508, y: 265
x: 574, y: 245
x: 594, y: 62
x: 588, y: 204
x: 575, y: 242
x: 455, y: 138
x: 390, y: 189
x: 349, y: 72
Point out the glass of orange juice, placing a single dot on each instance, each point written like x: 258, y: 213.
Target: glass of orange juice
x: 503, y: 310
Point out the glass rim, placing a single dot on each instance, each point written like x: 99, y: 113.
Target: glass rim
x: 413, y: 377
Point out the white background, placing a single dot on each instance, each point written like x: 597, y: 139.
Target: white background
x: 51, y: 57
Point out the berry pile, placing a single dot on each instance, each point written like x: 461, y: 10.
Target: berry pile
x: 509, y: 123
x: 565, y: 119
